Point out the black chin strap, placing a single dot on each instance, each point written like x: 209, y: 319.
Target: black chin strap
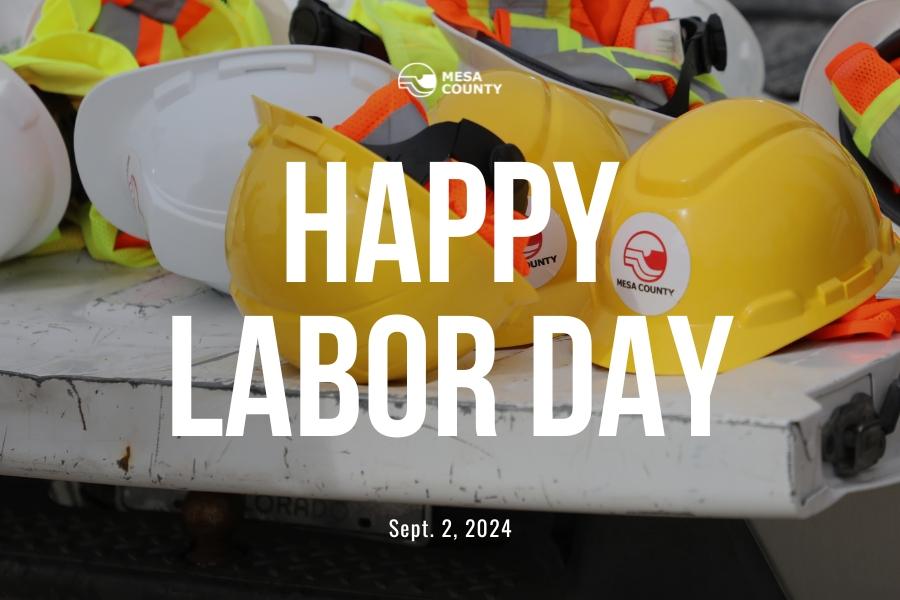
x: 704, y: 48
x: 464, y: 141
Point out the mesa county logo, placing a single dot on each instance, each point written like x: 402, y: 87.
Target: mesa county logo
x: 645, y: 253
x: 649, y: 263
x: 421, y: 81
x: 418, y: 79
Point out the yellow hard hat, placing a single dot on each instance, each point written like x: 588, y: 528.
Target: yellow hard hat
x: 547, y: 123
x: 255, y: 248
x: 744, y: 208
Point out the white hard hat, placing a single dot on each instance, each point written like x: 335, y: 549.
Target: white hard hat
x: 871, y: 22
x: 160, y: 149
x: 17, y: 20
x: 745, y: 74
x: 635, y: 123
x: 34, y: 168
x: 278, y: 18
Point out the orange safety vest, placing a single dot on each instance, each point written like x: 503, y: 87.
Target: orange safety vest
x: 561, y: 40
x: 867, y: 90
x: 608, y: 22
x: 475, y: 13
x: 615, y: 21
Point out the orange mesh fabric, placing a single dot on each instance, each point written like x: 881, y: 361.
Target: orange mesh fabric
x: 580, y: 20
x: 636, y: 14
x: 860, y: 75
x: 616, y: 20
x: 880, y: 318
x: 376, y: 110
x: 458, y: 204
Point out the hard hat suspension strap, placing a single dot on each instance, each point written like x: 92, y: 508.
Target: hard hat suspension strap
x: 465, y: 141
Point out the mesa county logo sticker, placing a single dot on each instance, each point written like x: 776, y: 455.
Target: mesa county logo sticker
x: 650, y: 264
x: 546, y: 251
x: 418, y: 79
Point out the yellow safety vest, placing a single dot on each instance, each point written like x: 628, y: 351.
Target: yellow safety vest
x: 77, y: 44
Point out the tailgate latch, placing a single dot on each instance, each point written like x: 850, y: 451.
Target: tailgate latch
x: 855, y: 436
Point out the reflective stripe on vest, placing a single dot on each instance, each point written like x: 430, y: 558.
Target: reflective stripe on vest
x: 181, y: 14
x: 478, y: 14
x: 707, y: 88
x: 140, y: 34
x: 392, y: 116
x: 867, y: 90
x: 389, y: 115
x: 150, y: 28
x: 161, y: 10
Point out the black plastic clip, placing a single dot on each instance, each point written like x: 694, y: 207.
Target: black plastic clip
x: 855, y: 436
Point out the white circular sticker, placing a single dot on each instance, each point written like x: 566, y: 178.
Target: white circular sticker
x: 650, y: 264
x: 546, y: 251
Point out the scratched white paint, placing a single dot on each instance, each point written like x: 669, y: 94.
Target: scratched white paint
x: 84, y: 374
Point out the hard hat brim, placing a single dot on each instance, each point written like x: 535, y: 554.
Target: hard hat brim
x: 102, y: 136
x: 635, y: 123
x: 745, y: 74
x: 178, y: 133
x: 871, y: 22
x: 745, y: 344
